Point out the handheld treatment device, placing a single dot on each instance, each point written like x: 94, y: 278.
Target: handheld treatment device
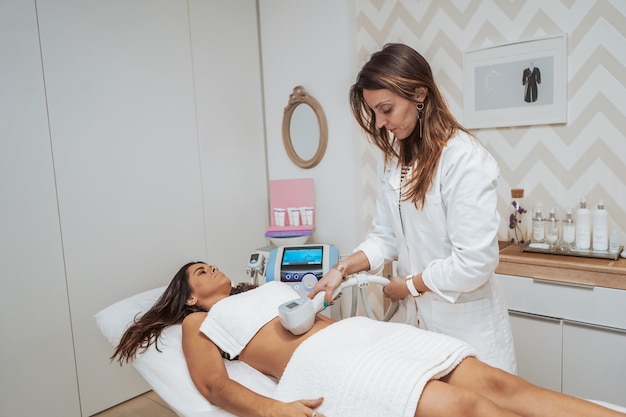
x: 298, y: 316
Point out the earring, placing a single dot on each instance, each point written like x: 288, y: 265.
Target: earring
x: 420, y: 116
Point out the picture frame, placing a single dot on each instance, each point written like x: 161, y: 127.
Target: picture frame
x: 516, y: 84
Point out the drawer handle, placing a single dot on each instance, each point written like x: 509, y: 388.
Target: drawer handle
x: 564, y: 284
x: 534, y: 316
x: 594, y: 326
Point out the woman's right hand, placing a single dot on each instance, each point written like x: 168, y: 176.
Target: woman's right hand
x: 333, y: 278
x: 329, y: 283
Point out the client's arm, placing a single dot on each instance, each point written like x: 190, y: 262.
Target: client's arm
x: 209, y: 375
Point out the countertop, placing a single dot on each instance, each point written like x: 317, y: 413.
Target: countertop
x: 571, y: 269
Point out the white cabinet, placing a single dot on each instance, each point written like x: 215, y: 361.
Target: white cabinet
x: 128, y: 131
x: 570, y: 338
x: 594, y: 362
x: 36, y: 352
x: 533, y: 334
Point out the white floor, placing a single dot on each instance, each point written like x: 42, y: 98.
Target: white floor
x: 146, y: 405
x: 151, y: 405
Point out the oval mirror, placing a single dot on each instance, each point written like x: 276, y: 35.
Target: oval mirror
x: 305, y: 132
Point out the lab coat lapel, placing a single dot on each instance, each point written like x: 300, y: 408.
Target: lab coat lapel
x: 393, y: 197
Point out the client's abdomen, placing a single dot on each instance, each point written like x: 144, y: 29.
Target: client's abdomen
x: 271, y: 348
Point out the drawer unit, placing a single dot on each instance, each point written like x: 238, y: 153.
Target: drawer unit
x: 569, y: 337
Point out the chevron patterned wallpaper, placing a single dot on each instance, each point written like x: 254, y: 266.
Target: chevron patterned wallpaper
x: 557, y: 165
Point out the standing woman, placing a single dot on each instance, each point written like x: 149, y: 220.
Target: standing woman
x: 435, y: 209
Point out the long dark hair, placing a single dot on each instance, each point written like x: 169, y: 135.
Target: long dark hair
x: 171, y: 308
x: 400, y: 69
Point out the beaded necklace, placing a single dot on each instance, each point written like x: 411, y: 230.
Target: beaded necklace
x: 403, y: 173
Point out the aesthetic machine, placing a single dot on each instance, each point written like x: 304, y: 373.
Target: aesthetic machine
x: 300, y: 266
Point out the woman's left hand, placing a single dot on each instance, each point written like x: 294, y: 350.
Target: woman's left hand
x: 397, y: 289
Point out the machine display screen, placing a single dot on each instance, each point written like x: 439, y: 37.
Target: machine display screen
x: 292, y: 305
x: 303, y: 256
x: 300, y: 266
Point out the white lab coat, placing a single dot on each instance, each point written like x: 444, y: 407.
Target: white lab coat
x: 453, y: 242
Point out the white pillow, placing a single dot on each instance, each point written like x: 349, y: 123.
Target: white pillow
x: 114, y: 319
x: 166, y: 371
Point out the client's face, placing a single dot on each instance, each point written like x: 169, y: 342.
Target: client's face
x: 208, y: 285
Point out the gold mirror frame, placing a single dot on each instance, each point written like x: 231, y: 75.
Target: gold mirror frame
x: 297, y: 97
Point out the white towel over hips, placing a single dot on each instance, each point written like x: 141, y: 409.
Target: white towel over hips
x: 364, y: 367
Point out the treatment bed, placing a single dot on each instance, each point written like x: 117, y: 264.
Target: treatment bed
x: 166, y: 370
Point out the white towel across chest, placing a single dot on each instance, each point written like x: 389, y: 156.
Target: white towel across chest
x: 232, y: 322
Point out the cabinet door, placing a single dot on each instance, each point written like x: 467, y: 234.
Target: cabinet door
x: 125, y: 154
x: 37, y: 372
x: 156, y: 163
x: 538, y: 348
x: 594, y: 362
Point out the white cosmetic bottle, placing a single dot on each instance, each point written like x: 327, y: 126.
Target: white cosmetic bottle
x: 569, y: 231
x: 552, y: 229
x: 600, y: 228
x: 539, y: 232
x: 614, y: 241
x: 583, y: 226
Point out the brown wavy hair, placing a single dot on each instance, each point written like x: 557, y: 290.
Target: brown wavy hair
x: 171, y: 308
x: 400, y: 69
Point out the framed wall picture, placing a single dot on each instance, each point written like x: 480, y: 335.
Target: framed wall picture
x: 516, y: 84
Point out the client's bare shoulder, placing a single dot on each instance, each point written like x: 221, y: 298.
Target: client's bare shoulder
x: 197, y: 348
x: 191, y: 323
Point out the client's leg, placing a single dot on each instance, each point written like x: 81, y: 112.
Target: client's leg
x: 444, y: 400
x: 521, y: 397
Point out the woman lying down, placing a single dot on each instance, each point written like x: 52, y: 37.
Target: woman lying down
x: 353, y: 367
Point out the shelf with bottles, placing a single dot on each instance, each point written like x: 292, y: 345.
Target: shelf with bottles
x: 559, y: 250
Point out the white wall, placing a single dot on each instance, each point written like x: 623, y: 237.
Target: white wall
x: 555, y: 164
x: 128, y: 136
x: 315, y: 44
x: 310, y: 43
x: 227, y: 84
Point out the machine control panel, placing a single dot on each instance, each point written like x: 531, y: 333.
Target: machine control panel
x: 301, y: 266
